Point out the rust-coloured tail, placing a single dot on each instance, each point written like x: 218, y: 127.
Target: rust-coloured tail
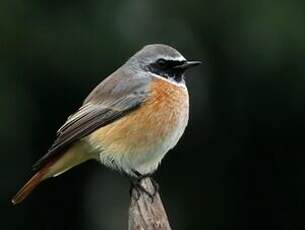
x: 55, y: 166
x: 27, y: 188
x: 30, y: 185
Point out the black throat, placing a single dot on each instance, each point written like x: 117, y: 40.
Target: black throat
x: 167, y: 69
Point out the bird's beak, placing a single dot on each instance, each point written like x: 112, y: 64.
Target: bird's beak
x: 187, y: 65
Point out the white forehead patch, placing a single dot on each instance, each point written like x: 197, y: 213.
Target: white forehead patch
x: 171, y: 58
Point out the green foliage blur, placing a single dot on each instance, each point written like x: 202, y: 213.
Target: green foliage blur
x: 240, y: 164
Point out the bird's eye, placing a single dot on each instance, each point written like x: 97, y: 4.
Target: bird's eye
x: 162, y: 63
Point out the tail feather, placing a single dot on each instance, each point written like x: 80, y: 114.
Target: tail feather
x: 30, y: 186
x: 55, y: 166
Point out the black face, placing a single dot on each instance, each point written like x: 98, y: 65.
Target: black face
x: 167, y: 69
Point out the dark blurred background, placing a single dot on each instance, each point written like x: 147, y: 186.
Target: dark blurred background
x: 240, y: 163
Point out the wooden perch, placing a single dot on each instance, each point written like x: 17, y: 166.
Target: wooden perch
x: 145, y: 214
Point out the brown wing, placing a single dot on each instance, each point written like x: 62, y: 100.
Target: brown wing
x: 100, y: 109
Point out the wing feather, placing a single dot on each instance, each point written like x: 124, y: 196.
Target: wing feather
x: 95, y: 113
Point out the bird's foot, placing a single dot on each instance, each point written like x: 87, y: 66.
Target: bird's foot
x: 155, y: 185
x: 138, y: 188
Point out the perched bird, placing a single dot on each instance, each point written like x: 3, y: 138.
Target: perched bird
x: 128, y: 122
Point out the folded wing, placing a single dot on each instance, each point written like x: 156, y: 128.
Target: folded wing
x: 108, y: 102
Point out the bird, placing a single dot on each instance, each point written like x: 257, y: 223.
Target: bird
x: 128, y: 122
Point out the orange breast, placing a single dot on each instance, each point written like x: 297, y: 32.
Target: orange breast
x: 142, y: 129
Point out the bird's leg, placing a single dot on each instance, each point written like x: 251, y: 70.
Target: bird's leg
x: 138, y: 187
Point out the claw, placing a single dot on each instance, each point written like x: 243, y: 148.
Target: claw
x: 138, y: 187
x: 155, y: 185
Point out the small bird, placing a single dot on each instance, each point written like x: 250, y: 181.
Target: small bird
x: 128, y: 122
